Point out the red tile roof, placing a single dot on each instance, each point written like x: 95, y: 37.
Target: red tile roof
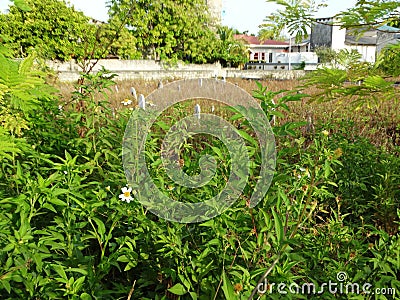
x: 255, y: 41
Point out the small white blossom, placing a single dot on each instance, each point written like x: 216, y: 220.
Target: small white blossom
x: 127, y: 102
x: 126, y: 194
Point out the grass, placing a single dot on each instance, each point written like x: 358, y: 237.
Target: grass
x: 378, y: 124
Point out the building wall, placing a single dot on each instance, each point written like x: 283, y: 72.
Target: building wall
x: 321, y: 35
x: 262, y: 53
x: 265, y: 74
x: 150, y: 70
x: 384, y: 39
x: 368, y: 52
x: 338, y: 38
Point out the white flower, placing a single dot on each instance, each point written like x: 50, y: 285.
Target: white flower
x: 60, y: 107
x: 65, y: 172
x: 127, y: 102
x: 126, y: 194
x: 325, y: 132
x: 306, y: 172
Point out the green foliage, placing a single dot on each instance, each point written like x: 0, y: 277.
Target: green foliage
x: 65, y: 234
x: 388, y: 61
x: 57, y: 31
x: 372, y: 14
x: 173, y: 30
x: 295, y: 16
x: 343, y: 59
x: 325, y: 54
x: 229, y: 49
x: 333, y: 205
x: 22, y: 92
x: 51, y: 27
x: 298, y: 16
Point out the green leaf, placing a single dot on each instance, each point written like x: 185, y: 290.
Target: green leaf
x: 101, y: 229
x: 85, y: 296
x: 22, y: 5
x: 278, y: 226
x: 60, y: 271
x: 57, y: 201
x: 227, y: 287
x: 178, y: 289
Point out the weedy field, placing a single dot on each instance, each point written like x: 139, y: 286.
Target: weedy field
x: 73, y: 228
x: 378, y: 123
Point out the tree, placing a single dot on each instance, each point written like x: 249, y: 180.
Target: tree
x: 169, y: 29
x: 230, y: 50
x: 51, y: 27
x: 295, y: 17
x: 57, y: 31
x: 372, y: 80
x: 266, y: 34
x: 298, y: 16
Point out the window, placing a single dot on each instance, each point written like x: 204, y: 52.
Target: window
x: 256, y: 56
x: 262, y: 56
x: 270, y: 57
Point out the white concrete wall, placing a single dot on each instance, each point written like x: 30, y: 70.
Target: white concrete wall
x: 338, y: 38
x: 129, y: 65
x: 368, y: 52
x: 150, y: 70
x: 297, y: 57
x: 265, y: 74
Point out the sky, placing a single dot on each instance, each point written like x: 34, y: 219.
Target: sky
x: 239, y: 14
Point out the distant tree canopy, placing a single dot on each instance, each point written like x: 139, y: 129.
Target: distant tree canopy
x: 57, y: 31
x: 51, y: 27
x: 169, y: 29
x: 160, y: 30
x: 230, y: 50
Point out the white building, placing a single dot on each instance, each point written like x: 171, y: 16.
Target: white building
x: 327, y: 33
x: 277, y: 55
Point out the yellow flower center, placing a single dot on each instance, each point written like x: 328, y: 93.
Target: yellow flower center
x: 127, y: 194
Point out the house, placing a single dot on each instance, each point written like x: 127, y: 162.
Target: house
x: 327, y: 33
x: 303, y: 46
x: 275, y: 55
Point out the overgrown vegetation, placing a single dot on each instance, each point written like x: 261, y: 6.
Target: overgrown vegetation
x: 162, y: 30
x: 331, y: 214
